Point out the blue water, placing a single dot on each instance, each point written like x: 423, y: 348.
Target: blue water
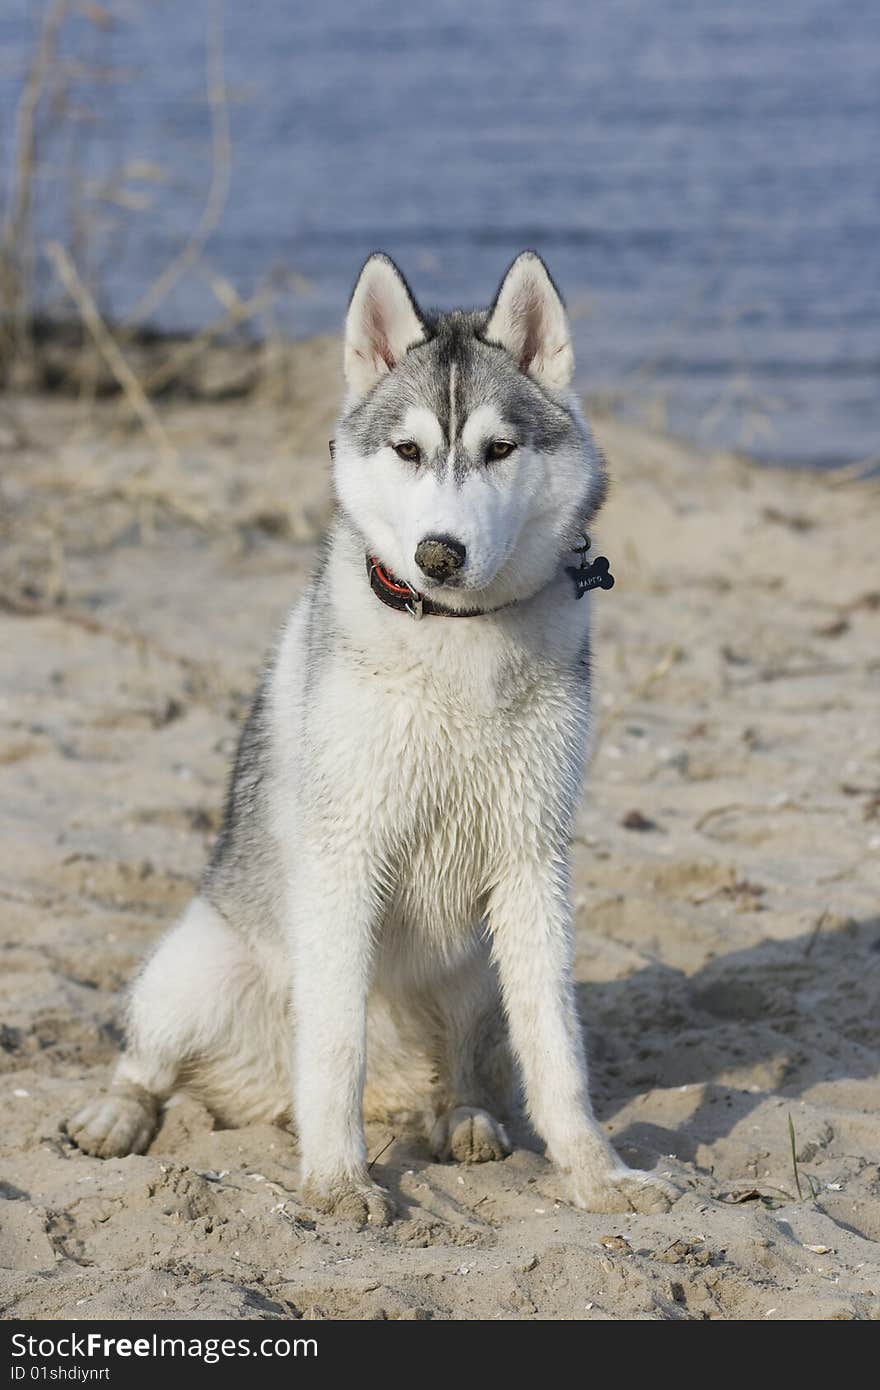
x: 702, y: 177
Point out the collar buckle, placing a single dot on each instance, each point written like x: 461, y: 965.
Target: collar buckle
x: 396, y: 593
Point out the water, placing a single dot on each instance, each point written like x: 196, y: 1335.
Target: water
x: 702, y: 178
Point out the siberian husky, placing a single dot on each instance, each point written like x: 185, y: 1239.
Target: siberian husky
x: 385, y: 920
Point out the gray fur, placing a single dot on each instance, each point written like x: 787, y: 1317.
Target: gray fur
x: 483, y: 373
x: 393, y: 858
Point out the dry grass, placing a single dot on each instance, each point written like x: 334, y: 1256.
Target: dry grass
x: 110, y: 350
x: 88, y: 354
x: 17, y: 258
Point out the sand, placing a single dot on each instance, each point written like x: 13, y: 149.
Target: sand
x: 726, y: 876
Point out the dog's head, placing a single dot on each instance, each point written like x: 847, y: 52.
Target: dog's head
x: 461, y: 457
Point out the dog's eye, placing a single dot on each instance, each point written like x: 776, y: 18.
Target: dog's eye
x: 499, y: 449
x: 408, y: 450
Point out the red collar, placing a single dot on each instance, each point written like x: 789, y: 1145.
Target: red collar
x: 396, y: 593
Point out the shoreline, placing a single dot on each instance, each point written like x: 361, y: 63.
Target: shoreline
x: 227, y: 363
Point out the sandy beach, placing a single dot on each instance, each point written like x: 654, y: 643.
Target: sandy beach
x: 727, y: 885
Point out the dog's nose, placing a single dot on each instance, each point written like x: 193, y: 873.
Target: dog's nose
x: 439, y: 557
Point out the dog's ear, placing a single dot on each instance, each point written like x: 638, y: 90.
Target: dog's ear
x: 528, y: 318
x: 383, y: 322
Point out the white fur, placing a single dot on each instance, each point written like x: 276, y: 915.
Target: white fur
x: 421, y: 779
x: 493, y: 741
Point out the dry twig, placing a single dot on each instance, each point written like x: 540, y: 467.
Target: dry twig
x: 17, y: 245
x: 110, y: 349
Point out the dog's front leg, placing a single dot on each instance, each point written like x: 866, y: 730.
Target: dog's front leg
x: 529, y: 919
x: 331, y: 910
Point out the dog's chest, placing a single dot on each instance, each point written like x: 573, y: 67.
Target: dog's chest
x: 457, y: 770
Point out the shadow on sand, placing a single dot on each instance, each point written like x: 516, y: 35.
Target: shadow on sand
x: 789, y: 1014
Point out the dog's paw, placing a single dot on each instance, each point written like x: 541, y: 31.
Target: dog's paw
x: 467, y: 1135
x: 356, y: 1203
x: 114, y: 1125
x: 622, y: 1189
